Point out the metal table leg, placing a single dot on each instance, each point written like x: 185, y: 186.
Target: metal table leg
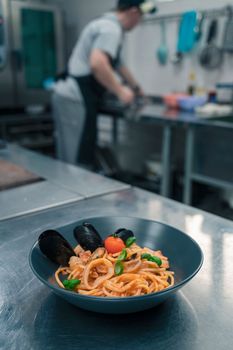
x: 115, y: 131
x: 187, y: 198
x: 166, y: 161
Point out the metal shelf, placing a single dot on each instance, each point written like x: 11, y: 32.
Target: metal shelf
x: 211, y: 181
x: 37, y: 145
x: 29, y: 132
x: 30, y: 128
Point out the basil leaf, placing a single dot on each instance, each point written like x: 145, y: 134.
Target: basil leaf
x: 152, y: 258
x: 155, y: 259
x: 74, y: 283
x: 119, y: 268
x: 66, y: 283
x: 71, y: 284
x: 130, y: 241
x: 145, y: 256
x: 122, y: 256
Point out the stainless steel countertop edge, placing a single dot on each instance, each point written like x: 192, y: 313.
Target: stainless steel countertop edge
x: 35, y: 210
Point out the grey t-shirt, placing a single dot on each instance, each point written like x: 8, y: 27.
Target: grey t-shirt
x: 104, y: 33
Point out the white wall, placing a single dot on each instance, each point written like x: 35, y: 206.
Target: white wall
x: 156, y: 79
x: 178, y: 6
x: 141, y: 45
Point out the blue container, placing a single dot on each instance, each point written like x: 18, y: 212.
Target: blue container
x: 189, y: 103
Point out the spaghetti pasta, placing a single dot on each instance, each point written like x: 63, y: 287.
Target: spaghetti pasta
x: 96, y: 272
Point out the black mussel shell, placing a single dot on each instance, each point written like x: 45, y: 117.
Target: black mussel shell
x: 88, y: 237
x: 124, y: 234
x: 55, y: 247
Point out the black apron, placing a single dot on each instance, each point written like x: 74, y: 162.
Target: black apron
x: 92, y: 92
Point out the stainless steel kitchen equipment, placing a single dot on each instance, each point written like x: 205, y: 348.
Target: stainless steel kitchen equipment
x: 6, y: 77
x: 225, y: 93
x: 31, y: 51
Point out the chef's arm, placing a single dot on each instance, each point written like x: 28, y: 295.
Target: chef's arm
x: 103, y: 72
x: 130, y: 80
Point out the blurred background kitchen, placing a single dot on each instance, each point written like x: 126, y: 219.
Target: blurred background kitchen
x: 178, y: 139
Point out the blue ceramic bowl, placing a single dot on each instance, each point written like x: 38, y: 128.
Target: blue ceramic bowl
x: 184, y: 254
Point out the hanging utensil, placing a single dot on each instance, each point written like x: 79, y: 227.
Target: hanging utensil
x: 162, y: 52
x: 211, y: 56
x: 228, y: 32
x: 199, y: 26
x: 177, y: 57
x: 187, y: 35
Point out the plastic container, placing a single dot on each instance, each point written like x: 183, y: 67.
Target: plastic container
x: 189, y: 103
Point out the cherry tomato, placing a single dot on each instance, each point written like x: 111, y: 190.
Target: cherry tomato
x: 114, y: 244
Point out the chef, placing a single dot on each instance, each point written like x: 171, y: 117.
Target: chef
x: 92, y: 68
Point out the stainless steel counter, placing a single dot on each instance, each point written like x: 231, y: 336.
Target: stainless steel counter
x: 32, y: 198
x: 155, y: 111
x: 192, y: 123
x: 63, y: 184
x: 199, y: 317
x: 162, y: 113
x: 69, y: 177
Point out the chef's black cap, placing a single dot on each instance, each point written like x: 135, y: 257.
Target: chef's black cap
x: 144, y: 5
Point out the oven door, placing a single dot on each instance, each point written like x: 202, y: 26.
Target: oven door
x: 38, y: 49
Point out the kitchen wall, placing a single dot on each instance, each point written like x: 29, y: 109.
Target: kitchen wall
x: 156, y: 79
x: 142, y: 43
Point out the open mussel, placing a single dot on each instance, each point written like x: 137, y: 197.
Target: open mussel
x: 124, y: 234
x: 55, y: 247
x: 88, y: 237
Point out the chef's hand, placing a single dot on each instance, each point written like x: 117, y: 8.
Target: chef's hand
x: 138, y: 91
x: 126, y: 95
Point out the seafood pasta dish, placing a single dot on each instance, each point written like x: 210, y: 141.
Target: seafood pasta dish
x: 134, y: 271
x: 114, y: 267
